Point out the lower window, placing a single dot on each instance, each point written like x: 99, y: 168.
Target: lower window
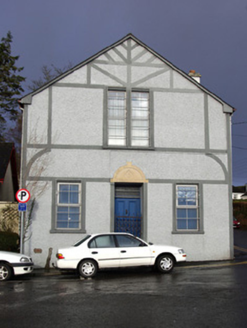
x: 187, y: 208
x: 68, y: 214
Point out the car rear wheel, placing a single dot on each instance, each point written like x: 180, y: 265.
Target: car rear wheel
x: 88, y: 268
x: 5, y: 272
x: 165, y: 263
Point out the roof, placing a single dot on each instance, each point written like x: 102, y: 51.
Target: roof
x: 27, y: 99
x: 7, y: 156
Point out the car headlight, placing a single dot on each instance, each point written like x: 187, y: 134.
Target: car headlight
x: 24, y: 259
x: 180, y: 251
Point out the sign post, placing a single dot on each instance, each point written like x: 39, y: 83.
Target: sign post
x: 22, y: 197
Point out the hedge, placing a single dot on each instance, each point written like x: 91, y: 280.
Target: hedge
x: 9, y: 241
x: 240, y: 211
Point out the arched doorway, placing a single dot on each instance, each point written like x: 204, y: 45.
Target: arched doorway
x: 129, y: 199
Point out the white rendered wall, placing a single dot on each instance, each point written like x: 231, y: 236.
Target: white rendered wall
x: 98, y: 207
x: 160, y: 213
x: 217, y: 125
x: 38, y: 119
x: 179, y: 120
x: 77, y: 116
x: 97, y: 220
x: 155, y: 165
x: 212, y: 244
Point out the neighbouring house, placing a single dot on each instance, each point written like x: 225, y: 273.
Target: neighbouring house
x: 8, y: 188
x: 126, y: 141
x: 239, y: 192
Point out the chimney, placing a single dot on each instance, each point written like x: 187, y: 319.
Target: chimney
x: 195, y: 76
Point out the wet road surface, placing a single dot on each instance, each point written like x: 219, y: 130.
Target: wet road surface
x: 197, y: 295
x: 188, y: 297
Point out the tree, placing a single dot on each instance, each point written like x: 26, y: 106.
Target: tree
x: 10, y: 84
x: 48, y: 74
x: 14, y: 135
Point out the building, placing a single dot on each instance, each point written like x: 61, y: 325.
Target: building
x: 126, y: 141
x: 239, y: 192
x: 8, y: 187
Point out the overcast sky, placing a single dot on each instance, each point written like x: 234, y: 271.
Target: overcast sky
x: 209, y: 36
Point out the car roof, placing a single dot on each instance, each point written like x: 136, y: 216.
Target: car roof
x: 112, y: 233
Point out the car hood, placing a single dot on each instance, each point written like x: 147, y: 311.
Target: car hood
x: 11, y: 256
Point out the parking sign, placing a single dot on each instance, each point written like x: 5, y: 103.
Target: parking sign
x: 22, y: 207
x: 22, y: 196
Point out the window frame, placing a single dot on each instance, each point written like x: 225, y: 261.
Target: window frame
x: 198, y: 206
x: 81, y: 205
x: 128, y: 92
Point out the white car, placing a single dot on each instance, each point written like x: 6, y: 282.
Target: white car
x: 116, y: 250
x: 14, y: 264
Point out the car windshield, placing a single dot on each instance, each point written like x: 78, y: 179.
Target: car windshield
x: 82, y: 241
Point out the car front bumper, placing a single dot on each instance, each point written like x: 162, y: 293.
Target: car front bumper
x: 22, y: 268
x: 181, y: 257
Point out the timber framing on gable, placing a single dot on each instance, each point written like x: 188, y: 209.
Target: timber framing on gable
x: 113, y: 55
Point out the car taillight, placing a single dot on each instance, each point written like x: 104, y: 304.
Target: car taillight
x: 60, y: 256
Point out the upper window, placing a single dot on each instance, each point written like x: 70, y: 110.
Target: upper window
x: 128, y: 118
x: 117, y: 113
x: 187, y: 207
x: 68, y: 206
x: 140, y: 119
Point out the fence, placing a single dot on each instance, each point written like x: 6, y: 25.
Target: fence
x: 9, y: 217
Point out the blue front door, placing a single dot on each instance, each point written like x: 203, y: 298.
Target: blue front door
x: 128, y: 215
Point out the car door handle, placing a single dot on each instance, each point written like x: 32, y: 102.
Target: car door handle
x: 123, y: 251
x: 94, y: 252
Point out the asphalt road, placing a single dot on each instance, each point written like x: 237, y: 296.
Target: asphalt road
x: 200, y: 295
x: 240, y: 242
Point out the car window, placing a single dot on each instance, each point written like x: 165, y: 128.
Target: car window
x: 102, y: 242
x: 128, y: 241
x: 82, y: 241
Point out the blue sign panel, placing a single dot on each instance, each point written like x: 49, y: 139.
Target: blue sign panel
x: 22, y: 207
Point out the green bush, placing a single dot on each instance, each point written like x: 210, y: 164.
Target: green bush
x: 9, y: 241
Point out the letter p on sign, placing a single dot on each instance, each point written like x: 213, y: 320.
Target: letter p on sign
x: 22, y: 196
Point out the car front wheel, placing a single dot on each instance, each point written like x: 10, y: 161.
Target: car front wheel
x: 88, y: 268
x: 5, y: 272
x: 165, y: 263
